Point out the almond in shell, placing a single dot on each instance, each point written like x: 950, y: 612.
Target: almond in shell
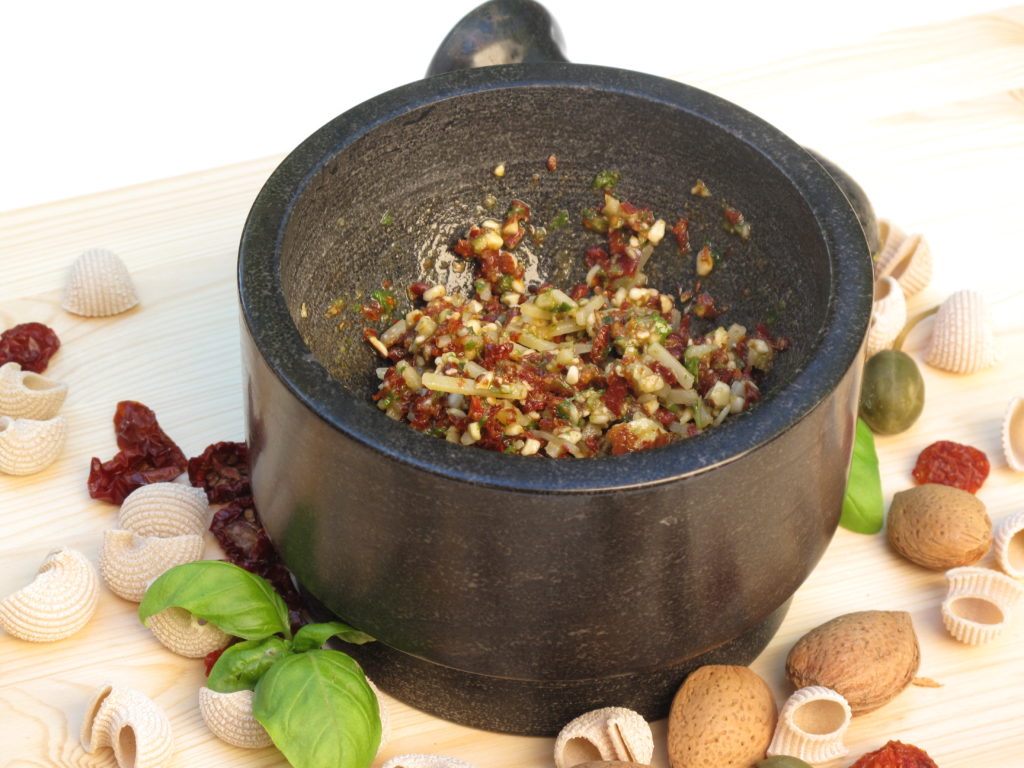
x: 868, y: 657
x: 939, y: 526
x: 721, y: 716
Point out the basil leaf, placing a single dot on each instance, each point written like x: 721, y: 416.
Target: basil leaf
x: 863, y: 506
x: 242, y: 665
x: 234, y: 600
x: 315, y: 635
x: 319, y: 710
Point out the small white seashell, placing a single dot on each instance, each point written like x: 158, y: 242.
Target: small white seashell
x: 610, y: 733
x: 979, y: 603
x: 165, y: 509
x: 58, y: 603
x: 132, y: 724
x: 1008, y: 543
x: 1013, y: 434
x: 129, y: 562
x: 29, y: 395
x: 98, y: 285
x: 180, y: 631
x: 963, y: 340
x: 229, y: 717
x: 385, y: 716
x: 811, y: 726
x: 30, y: 445
x: 426, y: 761
x: 888, y: 316
x: 907, y: 258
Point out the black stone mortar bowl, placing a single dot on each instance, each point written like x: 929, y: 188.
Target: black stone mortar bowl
x: 513, y: 593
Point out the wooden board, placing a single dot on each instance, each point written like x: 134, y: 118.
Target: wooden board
x: 929, y: 120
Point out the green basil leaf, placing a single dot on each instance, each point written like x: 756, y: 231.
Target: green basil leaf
x: 242, y: 665
x: 315, y: 635
x: 319, y: 710
x: 863, y: 506
x: 234, y: 600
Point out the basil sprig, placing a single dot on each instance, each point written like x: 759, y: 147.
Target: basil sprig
x: 863, y: 505
x: 315, y: 703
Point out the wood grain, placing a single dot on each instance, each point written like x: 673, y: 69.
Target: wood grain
x: 929, y: 120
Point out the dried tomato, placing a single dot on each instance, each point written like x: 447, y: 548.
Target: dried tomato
x: 222, y: 470
x: 955, y: 464
x: 237, y: 528
x: 147, y: 455
x: 29, y: 344
x: 896, y: 754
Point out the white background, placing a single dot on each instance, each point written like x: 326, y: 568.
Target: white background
x: 105, y: 94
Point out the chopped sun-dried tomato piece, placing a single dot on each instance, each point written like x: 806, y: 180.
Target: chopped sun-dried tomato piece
x: 31, y: 345
x: 222, y: 470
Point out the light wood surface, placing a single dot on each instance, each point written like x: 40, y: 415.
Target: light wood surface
x: 929, y: 120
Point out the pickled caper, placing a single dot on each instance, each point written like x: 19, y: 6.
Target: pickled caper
x: 782, y: 761
x: 892, y: 392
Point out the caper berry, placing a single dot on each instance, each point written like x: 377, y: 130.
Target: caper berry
x: 782, y: 761
x: 892, y: 392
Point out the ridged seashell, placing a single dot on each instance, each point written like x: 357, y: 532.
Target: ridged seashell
x: 130, y: 722
x: 98, y: 285
x: 979, y: 603
x: 907, y: 258
x: 229, y: 717
x: 963, y: 340
x: 1008, y: 543
x: 165, y: 509
x: 426, y: 761
x: 129, y: 562
x: 29, y: 395
x: 58, y: 602
x: 888, y: 316
x: 610, y: 733
x: 1013, y: 434
x: 385, y: 716
x: 811, y: 726
x: 184, y: 633
x: 30, y: 445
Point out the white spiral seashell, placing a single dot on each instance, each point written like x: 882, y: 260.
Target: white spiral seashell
x: 811, y: 726
x: 229, y: 717
x: 29, y: 395
x: 610, y: 733
x: 979, y: 603
x: 57, y: 604
x: 907, y: 258
x: 165, y: 509
x: 963, y: 340
x: 132, y: 724
x: 1008, y: 543
x: 426, y: 761
x: 28, y: 446
x: 184, y: 633
x: 98, y: 285
x: 888, y: 316
x: 1013, y: 434
x: 129, y: 562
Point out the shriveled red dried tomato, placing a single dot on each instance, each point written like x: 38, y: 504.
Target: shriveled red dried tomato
x: 955, y: 464
x: 237, y: 528
x: 29, y: 344
x: 222, y: 470
x: 147, y: 455
x: 896, y: 754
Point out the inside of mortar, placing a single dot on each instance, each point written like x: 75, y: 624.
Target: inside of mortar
x: 389, y: 206
x: 819, y: 717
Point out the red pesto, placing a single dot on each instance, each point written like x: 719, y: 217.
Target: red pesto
x: 549, y: 402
